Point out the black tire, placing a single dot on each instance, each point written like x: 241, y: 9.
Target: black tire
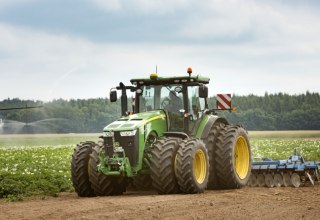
x: 211, y: 142
x: 192, y: 166
x: 101, y: 184
x: 162, y: 165
x: 79, y: 169
x: 233, y: 142
x: 142, y: 182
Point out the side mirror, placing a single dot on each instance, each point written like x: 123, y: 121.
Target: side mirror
x: 203, y: 91
x: 113, y: 95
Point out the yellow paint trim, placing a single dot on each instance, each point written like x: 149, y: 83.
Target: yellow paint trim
x: 149, y: 120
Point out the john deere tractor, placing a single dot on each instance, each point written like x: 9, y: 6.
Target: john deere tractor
x: 170, y: 140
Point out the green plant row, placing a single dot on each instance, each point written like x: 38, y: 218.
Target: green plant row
x: 45, y: 170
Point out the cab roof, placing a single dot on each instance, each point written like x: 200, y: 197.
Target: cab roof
x: 156, y: 80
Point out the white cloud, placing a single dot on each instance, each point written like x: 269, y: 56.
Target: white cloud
x: 144, y: 6
x: 271, y: 47
x: 4, y: 4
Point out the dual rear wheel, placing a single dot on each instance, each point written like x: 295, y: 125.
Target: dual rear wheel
x: 190, y: 166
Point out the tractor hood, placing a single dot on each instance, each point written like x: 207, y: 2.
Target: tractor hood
x: 135, y: 121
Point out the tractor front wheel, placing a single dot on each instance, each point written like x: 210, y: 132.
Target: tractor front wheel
x: 80, y: 169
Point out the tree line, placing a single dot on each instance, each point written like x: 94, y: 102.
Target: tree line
x: 269, y: 112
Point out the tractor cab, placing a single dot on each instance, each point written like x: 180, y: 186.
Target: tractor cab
x: 183, y: 99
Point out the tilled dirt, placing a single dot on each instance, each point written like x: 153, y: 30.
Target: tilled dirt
x: 246, y: 203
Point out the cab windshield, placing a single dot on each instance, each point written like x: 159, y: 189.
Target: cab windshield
x: 167, y: 97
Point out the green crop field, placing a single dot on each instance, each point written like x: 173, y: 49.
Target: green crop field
x: 39, y: 165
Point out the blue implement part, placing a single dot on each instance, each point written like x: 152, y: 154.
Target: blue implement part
x: 295, y: 168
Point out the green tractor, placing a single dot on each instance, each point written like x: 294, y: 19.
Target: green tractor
x: 170, y: 140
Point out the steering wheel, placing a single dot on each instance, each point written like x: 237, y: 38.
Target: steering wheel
x: 165, y: 102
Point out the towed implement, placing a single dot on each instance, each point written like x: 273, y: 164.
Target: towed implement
x: 292, y: 172
x: 170, y: 140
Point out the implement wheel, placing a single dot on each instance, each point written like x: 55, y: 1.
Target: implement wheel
x: 233, y: 157
x: 162, y: 165
x: 103, y: 185
x: 80, y: 169
x: 192, y: 166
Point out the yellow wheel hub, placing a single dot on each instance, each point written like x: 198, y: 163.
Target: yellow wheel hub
x: 200, y: 166
x: 241, y: 157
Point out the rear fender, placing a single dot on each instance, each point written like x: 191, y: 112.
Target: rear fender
x: 206, y: 124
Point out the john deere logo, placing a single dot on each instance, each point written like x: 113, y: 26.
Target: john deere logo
x: 116, y: 144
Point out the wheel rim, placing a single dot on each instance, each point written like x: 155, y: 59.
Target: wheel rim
x: 242, y: 157
x: 200, y: 166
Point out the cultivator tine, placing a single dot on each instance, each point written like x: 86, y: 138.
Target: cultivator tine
x: 310, y: 177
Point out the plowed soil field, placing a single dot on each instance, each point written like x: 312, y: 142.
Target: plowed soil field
x: 245, y: 203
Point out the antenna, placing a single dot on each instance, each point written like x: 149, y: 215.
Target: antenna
x: 156, y: 68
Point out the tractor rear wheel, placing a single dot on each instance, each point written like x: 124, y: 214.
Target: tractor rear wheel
x: 192, y: 167
x: 80, y: 169
x: 103, y: 185
x: 233, y: 157
x: 211, y: 142
x: 162, y: 165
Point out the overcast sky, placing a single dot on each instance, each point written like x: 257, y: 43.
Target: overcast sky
x: 52, y: 49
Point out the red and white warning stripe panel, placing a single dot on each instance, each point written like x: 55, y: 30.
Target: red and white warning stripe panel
x: 223, y: 101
